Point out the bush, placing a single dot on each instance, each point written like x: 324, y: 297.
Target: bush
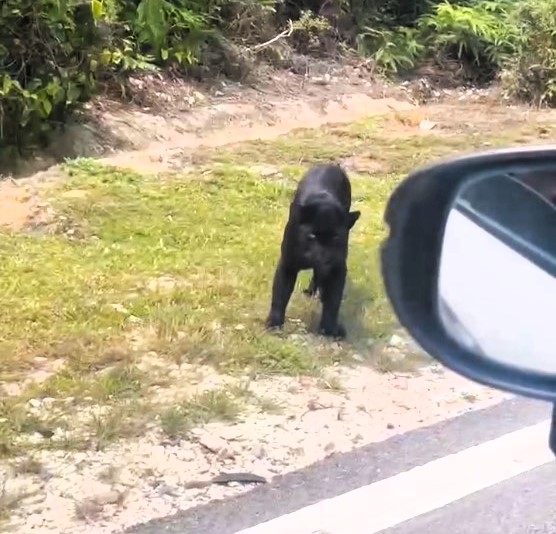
x: 531, y: 73
x: 478, y: 35
x: 55, y: 53
x: 170, y: 30
x: 393, y: 51
x: 48, y: 55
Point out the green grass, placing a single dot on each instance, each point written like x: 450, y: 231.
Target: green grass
x: 212, y: 405
x: 217, y: 238
x: 87, y: 292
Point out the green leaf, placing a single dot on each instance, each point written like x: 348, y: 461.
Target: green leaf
x: 46, y: 106
x: 72, y: 93
x: 6, y: 84
x: 97, y: 7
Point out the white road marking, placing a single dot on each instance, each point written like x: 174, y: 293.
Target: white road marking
x: 391, y: 501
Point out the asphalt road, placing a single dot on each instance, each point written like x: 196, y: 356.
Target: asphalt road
x: 521, y: 504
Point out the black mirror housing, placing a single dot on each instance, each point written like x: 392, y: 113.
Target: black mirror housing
x: 417, y: 215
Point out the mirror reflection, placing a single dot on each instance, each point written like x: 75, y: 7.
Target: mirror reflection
x: 497, y: 274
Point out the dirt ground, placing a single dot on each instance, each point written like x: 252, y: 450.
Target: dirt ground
x: 135, y: 481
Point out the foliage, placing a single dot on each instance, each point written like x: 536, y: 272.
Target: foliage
x: 531, y: 73
x: 393, y: 50
x: 310, y: 32
x: 55, y: 54
x: 478, y: 35
x: 48, y: 56
x: 170, y: 30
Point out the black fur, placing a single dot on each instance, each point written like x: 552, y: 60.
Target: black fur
x: 316, y: 237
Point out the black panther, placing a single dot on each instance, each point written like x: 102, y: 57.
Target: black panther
x: 316, y: 237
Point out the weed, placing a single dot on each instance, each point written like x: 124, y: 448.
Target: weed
x: 211, y: 405
x: 241, y: 389
x: 332, y: 383
x: 174, y: 422
x: 119, y: 382
x: 269, y: 405
x: 469, y: 397
x: 127, y: 420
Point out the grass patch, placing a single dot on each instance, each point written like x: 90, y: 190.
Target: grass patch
x: 332, y: 383
x: 125, y: 420
x: 212, y: 405
x: 270, y: 405
x: 218, y: 240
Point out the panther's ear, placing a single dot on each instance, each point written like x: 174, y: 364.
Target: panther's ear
x: 352, y: 218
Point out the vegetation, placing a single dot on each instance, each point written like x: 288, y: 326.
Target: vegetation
x: 55, y: 54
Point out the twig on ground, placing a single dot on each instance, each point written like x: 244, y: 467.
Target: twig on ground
x: 285, y: 33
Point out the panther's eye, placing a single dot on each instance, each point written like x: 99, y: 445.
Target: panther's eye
x: 311, y: 237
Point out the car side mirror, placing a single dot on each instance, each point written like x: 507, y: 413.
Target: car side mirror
x: 470, y: 267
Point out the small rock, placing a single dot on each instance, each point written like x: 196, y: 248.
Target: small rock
x: 108, y: 497
x: 35, y: 438
x: 212, y: 443
x: 225, y: 453
x: 427, y: 125
x: 35, y: 403
x: 200, y: 97
x: 265, y: 171
x: 396, y: 342
x: 167, y: 489
x: 197, y: 433
x: 390, y: 426
x: 231, y: 433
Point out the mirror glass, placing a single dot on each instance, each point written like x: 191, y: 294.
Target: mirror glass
x: 497, y: 273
